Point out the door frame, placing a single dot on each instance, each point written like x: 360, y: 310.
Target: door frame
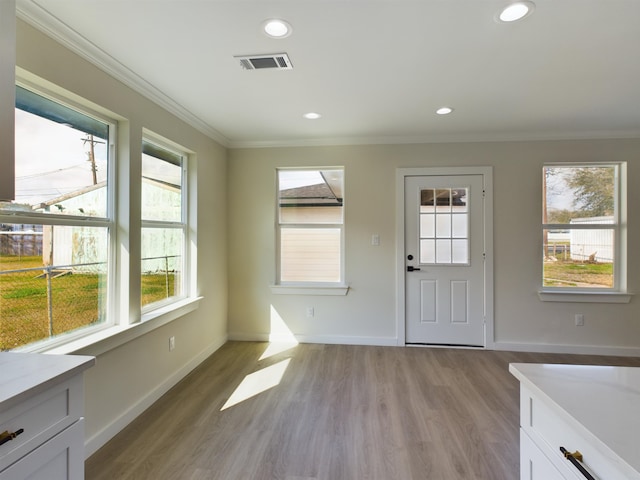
x: 487, y: 175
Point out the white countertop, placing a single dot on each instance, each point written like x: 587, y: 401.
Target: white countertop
x: 604, y: 400
x: 24, y: 374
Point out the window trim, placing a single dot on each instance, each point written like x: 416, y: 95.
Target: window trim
x: 312, y: 287
x: 618, y: 293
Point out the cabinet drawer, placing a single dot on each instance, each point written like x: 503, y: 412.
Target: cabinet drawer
x: 40, y: 417
x: 61, y: 458
x: 534, y: 465
x: 549, y: 427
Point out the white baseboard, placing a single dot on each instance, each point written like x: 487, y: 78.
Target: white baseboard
x: 103, y: 436
x: 570, y: 349
x: 327, y: 339
x: 393, y: 342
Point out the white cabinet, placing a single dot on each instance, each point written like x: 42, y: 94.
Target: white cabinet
x: 594, y: 410
x: 42, y: 405
x: 533, y: 464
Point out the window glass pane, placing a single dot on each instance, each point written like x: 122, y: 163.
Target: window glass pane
x: 443, y: 251
x: 443, y: 225
x: 161, y: 184
x: 579, y: 194
x: 310, y: 196
x: 53, y: 280
x: 459, y: 251
x: 427, y: 201
x: 310, y: 254
x: 427, y: 251
x: 459, y: 199
x: 450, y: 221
x: 578, y: 258
x: 427, y: 225
x: 443, y: 200
x: 61, y: 159
x: 460, y: 226
x: 162, y: 264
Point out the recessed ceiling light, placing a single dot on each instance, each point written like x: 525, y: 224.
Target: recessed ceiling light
x: 515, y: 11
x: 276, y: 28
x: 444, y: 110
x: 312, y: 116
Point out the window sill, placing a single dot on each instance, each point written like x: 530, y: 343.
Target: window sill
x: 337, y: 290
x: 585, y: 297
x: 112, y: 337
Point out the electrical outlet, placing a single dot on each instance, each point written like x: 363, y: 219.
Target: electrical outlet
x: 310, y: 312
x: 172, y: 343
x: 579, y: 320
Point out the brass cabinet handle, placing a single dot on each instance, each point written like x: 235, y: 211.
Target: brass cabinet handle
x: 7, y: 436
x: 576, y: 458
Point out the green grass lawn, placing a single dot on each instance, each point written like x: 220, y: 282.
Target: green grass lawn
x: 75, y: 300
x: 572, y: 273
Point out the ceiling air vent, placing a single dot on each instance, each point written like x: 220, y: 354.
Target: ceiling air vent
x: 279, y: 61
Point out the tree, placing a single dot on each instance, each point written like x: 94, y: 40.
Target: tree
x: 594, y: 190
x: 560, y: 216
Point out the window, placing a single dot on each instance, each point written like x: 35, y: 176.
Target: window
x: 582, y: 227
x: 163, y: 224
x: 55, y: 235
x: 310, y: 226
x: 444, y: 226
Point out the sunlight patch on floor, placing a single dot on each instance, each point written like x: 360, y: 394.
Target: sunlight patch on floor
x: 275, y: 348
x: 257, y: 382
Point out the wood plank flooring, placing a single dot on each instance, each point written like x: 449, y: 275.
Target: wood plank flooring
x: 332, y: 412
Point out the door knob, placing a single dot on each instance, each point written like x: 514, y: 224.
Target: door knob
x: 412, y: 269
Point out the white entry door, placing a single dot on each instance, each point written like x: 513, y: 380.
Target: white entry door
x: 444, y: 260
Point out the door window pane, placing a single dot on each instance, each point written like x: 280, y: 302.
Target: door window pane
x: 427, y: 251
x: 460, y: 226
x: 443, y: 251
x: 460, y: 251
x: 438, y: 230
x: 443, y: 225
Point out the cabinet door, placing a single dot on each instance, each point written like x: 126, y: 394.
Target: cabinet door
x: 534, y: 465
x: 61, y: 458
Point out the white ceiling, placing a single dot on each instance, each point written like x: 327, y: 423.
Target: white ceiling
x: 375, y: 70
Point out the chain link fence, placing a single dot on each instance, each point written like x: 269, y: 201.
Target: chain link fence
x: 38, y: 303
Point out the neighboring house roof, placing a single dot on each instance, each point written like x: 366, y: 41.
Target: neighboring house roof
x: 84, y: 190
x: 319, y: 195
x: 67, y: 196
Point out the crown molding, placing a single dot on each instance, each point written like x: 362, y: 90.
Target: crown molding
x: 550, y: 136
x: 42, y: 20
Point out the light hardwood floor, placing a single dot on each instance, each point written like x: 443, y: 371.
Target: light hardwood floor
x: 337, y: 413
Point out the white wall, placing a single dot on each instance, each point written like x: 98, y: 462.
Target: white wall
x: 127, y: 379
x: 367, y: 313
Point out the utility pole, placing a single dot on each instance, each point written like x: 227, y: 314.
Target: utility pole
x: 92, y: 157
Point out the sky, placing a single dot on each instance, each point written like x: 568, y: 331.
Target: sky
x: 52, y: 159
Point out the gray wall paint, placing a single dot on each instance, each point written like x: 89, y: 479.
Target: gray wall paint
x: 367, y: 313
